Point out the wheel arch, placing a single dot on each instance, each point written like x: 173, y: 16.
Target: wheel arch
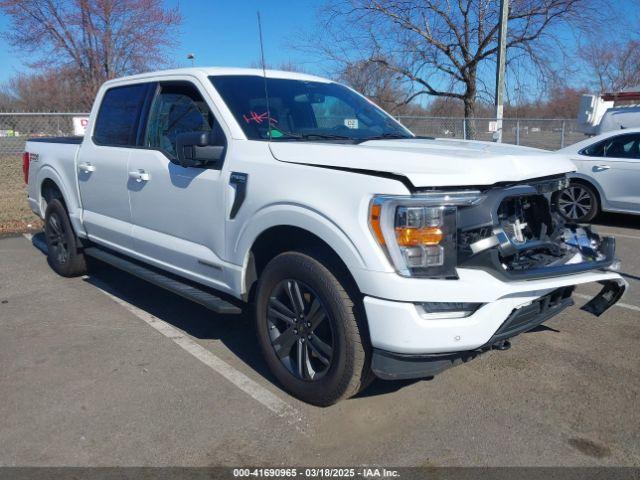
x: 49, y: 190
x: 277, y: 239
x: 51, y: 185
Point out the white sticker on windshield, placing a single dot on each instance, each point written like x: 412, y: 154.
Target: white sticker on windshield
x: 351, y: 123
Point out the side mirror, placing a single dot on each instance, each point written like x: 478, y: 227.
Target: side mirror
x: 199, y: 149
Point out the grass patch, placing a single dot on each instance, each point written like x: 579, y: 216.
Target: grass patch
x: 15, y: 214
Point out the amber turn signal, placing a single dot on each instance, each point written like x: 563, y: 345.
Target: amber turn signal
x: 375, y: 223
x: 413, y: 237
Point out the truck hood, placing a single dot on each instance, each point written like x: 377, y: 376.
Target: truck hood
x: 430, y: 163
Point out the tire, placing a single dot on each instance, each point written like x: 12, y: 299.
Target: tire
x: 63, y: 252
x: 579, y: 202
x: 324, y: 376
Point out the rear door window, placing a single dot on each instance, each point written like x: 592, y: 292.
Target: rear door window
x: 119, y: 115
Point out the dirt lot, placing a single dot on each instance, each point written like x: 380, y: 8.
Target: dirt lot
x: 108, y: 370
x: 15, y: 215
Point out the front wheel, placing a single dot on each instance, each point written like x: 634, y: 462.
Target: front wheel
x: 309, y: 330
x: 578, y: 202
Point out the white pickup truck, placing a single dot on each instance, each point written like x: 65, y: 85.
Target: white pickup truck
x: 364, y: 250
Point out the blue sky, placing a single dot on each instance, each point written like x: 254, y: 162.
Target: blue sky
x: 224, y: 33
x: 219, y: 32
x: 9, y: 62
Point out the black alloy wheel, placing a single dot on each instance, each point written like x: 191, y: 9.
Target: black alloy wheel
x: 57, y: 238
x: 300, y: 332
x: 63, y: 252
x: 311, y: 327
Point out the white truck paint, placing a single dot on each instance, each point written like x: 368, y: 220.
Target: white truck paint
x: 141, y: 202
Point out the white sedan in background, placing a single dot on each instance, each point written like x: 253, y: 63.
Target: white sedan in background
x: 607, y: 177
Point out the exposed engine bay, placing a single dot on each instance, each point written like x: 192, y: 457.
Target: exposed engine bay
x: 524, y: 236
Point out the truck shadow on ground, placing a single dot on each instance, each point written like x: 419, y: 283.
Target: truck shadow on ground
x: 236, y: 332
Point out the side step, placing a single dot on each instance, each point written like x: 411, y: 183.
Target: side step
x: 166, y: 281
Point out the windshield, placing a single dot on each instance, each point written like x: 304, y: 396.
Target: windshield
x: 303, y: 110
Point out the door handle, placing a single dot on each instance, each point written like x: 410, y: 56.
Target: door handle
x: 601, y: 168
x: 139, y: 175
x: 86, y: 167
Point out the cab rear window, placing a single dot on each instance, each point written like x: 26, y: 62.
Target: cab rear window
x: 119, y: 115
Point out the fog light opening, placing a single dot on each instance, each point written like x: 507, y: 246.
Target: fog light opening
x: 447, y: 309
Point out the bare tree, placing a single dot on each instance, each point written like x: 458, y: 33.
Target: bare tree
x: 290, y: 66
x: 378, y: 83
x: 53, y: 90
x: 439, y: 47
x: 561, y: 101
x: 615, y: 65
x: 6, y: 101
x: 97, y: 39
x: 285, y: 66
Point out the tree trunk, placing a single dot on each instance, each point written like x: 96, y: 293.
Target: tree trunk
x: 469, y: 117
x: 469, y: 114
x: 470, y: 104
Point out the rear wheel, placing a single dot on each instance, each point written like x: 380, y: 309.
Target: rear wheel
x: 62, y: 244
x: 578, y: 202
x: 309, y: 332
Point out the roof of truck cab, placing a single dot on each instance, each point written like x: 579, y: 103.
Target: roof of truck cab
x: 219, y: 71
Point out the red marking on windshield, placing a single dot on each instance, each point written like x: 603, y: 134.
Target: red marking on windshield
x: 257, y: 117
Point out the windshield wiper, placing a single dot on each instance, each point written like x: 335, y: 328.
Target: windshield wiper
x: 384, y: 136
x: 325, y: 136
x: 309, y: 136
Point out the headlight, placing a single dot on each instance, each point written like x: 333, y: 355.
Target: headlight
x: 418, y: 233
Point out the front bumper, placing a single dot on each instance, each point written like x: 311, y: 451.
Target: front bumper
x: 407, y: 345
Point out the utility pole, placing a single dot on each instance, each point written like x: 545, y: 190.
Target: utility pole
x: 500, y: 69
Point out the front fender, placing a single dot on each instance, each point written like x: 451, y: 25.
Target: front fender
x: 286, y: 214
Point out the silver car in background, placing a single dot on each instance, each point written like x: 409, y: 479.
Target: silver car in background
x: 607, y: 177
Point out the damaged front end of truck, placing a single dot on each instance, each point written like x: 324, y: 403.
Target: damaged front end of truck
x: 516, y: 233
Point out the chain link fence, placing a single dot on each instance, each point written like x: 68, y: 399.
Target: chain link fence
x: 548, y: 134
x: 16, y: 128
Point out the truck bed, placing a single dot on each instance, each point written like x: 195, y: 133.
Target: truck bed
x: 54, y: 158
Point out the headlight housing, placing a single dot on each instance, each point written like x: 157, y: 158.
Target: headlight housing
x: 418, y: 233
